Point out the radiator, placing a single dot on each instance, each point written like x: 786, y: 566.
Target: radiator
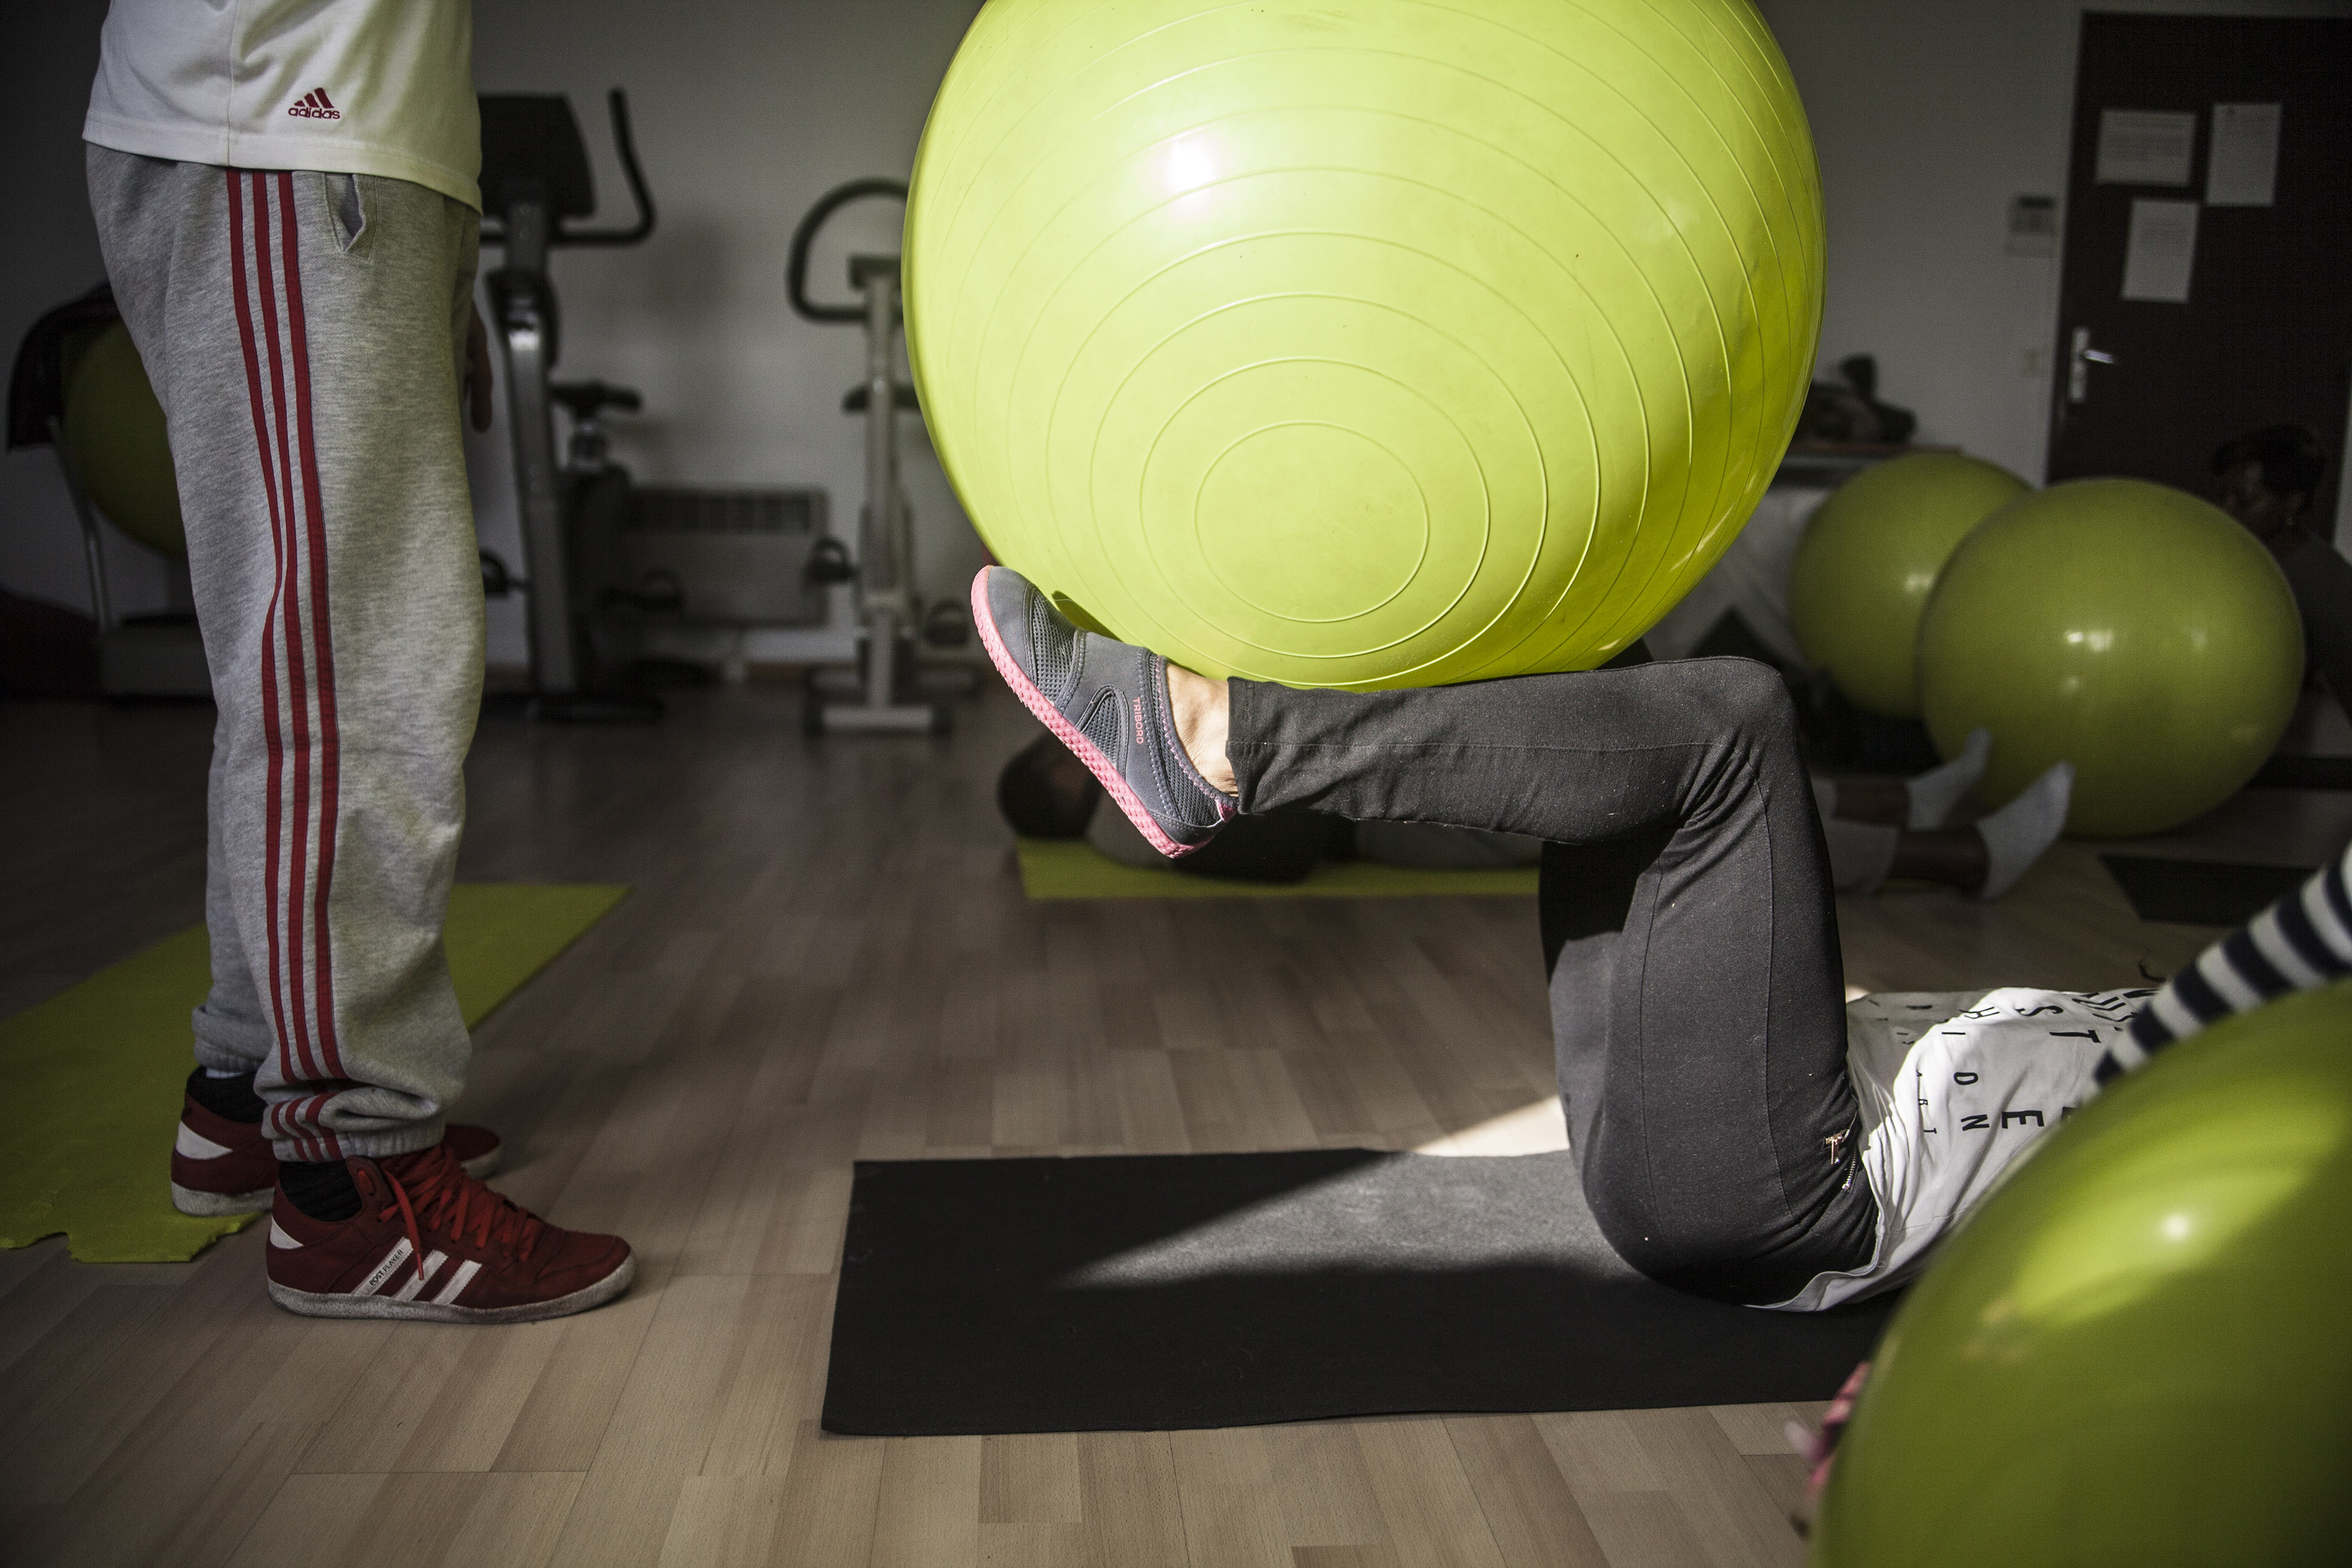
x: 733, y: 557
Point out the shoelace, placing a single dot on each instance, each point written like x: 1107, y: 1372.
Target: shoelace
x: 448, y: 1194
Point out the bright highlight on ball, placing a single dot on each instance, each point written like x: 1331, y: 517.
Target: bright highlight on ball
x: 1427, y: 343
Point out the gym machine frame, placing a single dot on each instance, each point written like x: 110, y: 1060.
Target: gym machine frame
x: 531, y: 207
x: 892, y: 694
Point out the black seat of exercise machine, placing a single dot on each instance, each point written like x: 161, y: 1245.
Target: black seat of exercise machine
x: 532, y: 151
x: 586, y: 399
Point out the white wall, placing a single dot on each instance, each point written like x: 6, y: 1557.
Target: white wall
x: 1929, y: 115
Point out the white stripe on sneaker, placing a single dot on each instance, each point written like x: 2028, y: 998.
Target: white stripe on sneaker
x: 196, y: 1145
x: 417, y: 1280
x: 457, y: 1283
x: 277, y: 1237
x: 374, y: 1282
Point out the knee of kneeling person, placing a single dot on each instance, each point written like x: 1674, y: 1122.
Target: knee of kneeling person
x: 1743, y: 700
x: 1715, y: 1273
x: 1727, y: 1263
x: 1752, y: 690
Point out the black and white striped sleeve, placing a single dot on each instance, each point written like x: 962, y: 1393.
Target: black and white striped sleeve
x: 2302, y: 941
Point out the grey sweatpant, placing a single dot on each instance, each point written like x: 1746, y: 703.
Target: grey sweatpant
x: 305, y: 334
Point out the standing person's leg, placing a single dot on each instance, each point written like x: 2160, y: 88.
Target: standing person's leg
x: 1687, y: 922
x: 305, y: 335
x: 232, y: 1030
x: 222, y: 1160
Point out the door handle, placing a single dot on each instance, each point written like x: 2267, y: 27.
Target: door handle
x: 2079, y: 363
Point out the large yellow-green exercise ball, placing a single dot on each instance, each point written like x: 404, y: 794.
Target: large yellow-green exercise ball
x: 1870, y: 555
x: 2135, y: 1351
x: 2128, y: 627
x: 1388, y: 344
x: 115, y: 440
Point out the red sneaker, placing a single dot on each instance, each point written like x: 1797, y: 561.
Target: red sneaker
x: 431, y: 1242
x: 220, y: 1166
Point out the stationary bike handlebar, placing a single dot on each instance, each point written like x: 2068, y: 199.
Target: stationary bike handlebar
x: 796, y: 271
x: 616, y: 103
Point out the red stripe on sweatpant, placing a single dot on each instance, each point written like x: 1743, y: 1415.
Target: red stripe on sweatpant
x: 289, y: 907
x: 318, y: 1142
x: 315, y: 1133
x: 240, y: 279
x: 301, y: 1125
x: 288, y: 1122
x: 322, y: 650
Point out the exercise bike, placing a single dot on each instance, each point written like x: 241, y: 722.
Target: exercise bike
x: 889, y: 692
x: 535, y: 180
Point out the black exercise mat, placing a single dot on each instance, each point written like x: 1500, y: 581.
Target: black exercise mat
x: 1146, y: 1292
x: 2305, y: 772
x: 2200, y: 892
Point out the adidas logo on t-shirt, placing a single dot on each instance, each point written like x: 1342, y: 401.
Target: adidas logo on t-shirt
x: 314, y: 105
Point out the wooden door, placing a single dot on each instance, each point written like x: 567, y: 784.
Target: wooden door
x: 2243, y: 313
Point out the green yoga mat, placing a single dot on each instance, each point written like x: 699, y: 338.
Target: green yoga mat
x: 96, y: 1073
x: 1073, y: 869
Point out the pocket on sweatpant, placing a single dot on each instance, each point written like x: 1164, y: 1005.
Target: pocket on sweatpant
x: 346, y: 205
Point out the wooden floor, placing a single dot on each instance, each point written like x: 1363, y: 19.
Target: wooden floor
x: 827, y: 957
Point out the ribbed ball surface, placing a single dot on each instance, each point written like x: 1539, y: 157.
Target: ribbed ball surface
x: 1419, y: 343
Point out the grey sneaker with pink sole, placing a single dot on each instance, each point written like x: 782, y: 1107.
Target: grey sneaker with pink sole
x: 1107, y: 701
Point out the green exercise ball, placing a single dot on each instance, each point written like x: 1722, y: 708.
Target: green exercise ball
x: 114, y: 434
x: 2128, y: 627
x: 2135, y: 1353
x: 1869, y: 556
x: 1385, y: 346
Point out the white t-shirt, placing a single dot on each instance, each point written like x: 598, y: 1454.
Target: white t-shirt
x: 356, y: 87
x: 1955, y: 1088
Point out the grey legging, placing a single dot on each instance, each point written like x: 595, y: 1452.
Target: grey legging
x: 1687, y: 919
